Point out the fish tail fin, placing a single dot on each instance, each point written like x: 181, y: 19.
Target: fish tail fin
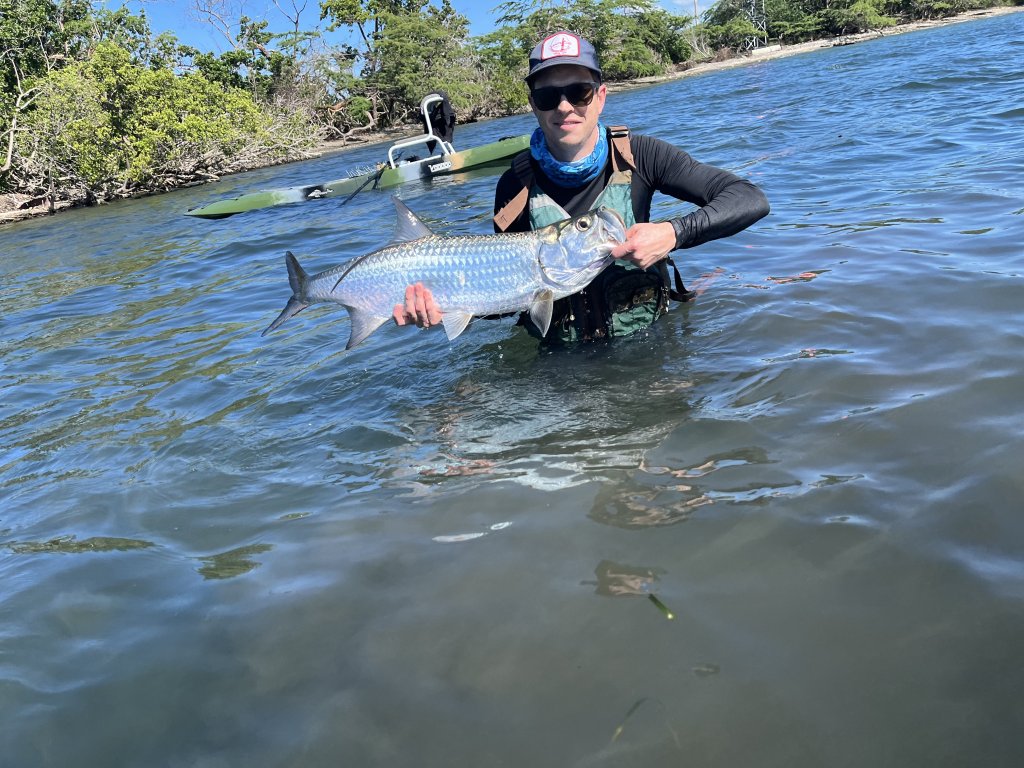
x: 298, y: 279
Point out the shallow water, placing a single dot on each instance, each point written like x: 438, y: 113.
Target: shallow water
x: 218, y: 549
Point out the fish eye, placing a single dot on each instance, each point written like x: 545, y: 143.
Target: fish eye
x: 583, y: 223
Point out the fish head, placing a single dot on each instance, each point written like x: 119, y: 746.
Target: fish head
x: 573, y: 252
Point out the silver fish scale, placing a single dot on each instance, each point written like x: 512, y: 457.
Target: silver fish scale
x: 476, y: 274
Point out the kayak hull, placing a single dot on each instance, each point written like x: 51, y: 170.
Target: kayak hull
x: 495, y: 153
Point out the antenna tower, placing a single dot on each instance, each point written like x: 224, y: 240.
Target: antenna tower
x: 759, y: 18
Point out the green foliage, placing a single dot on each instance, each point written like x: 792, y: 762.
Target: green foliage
x: 790, y: 22
x: 631, y: 59
x: 420, y: 53
x: 357, y: 110
x: 181, y: 118
x: 403, y: 51
x: 110, y: 126
x: 633, y: 38
x: 69, y: 137
x: 39, y: 38
x: 223, y: 69
x: 359, y: 12
x: 38, y: 34
x: 122, y: 28
x: 727, y: 26
x: 664, y: 32
x: 794, y: 21
x: 852, y: 16
x: 934, y: 9
x: 503, y: 54
x: 254, y: 63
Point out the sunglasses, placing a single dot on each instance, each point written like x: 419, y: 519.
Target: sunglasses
x: 550, y: 96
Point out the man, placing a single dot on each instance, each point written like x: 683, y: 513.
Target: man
x: 576, y: 164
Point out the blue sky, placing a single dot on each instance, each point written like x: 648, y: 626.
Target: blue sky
x: 176, y: 16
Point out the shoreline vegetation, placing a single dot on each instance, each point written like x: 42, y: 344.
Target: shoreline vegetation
x: 17, y: 207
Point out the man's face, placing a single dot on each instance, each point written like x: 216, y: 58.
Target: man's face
x: 571, y: 132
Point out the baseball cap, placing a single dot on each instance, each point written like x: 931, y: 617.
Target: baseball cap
x: 563, y: 48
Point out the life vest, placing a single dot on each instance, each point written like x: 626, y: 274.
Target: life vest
x: 623, y: 299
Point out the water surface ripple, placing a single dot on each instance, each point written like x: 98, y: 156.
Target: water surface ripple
x: 220, y: 549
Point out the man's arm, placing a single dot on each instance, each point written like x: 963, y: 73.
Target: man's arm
x: 727, y: 204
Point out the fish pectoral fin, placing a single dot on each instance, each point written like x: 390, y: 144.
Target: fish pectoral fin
x: 363, y: 324
x: 455, y: 323
x: 540, y: 310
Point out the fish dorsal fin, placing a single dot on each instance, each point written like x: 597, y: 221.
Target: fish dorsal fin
x: 409, y: 227
x: 540, y: 310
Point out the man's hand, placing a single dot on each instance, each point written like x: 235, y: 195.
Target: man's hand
x: 419, y: 308
x: 646, y: 244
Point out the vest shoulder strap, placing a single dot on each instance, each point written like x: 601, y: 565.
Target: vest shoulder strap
x: 620, y: 140
x: 514, y: 207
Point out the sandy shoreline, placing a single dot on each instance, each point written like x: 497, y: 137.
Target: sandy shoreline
x: 16, y: 207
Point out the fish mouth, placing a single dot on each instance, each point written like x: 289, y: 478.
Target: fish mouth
x: 603, y: 252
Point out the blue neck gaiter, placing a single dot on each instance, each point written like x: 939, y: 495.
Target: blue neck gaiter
x: 574, y: 174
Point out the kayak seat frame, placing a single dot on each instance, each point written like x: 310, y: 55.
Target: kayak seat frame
x: 446, y: 147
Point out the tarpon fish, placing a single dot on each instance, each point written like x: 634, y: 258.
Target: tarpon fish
x: 468, y: 275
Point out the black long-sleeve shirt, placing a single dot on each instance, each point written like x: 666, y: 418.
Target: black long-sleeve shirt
x: 726, y: 203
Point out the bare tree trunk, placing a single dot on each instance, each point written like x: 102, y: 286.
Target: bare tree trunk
x: 22, y: 101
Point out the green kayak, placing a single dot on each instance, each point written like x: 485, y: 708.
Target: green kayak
x: 388, y: 174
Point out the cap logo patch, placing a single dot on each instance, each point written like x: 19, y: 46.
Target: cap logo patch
x: 561, y: 44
